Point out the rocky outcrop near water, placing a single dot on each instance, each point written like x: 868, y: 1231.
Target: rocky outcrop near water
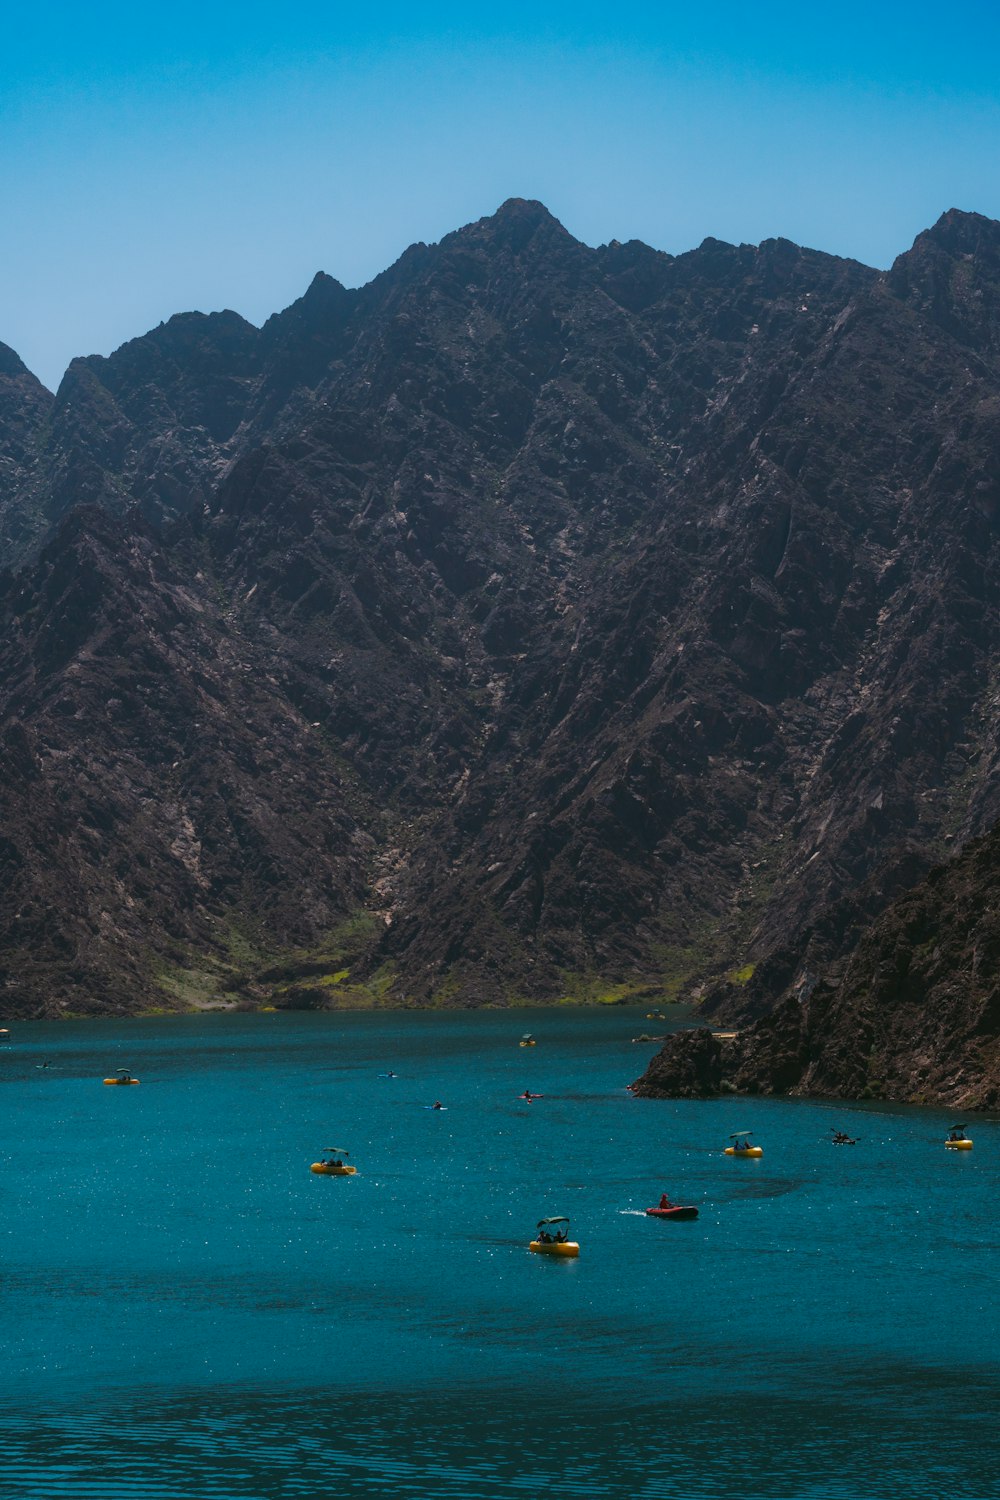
x: 914, y: 1017
x: 538, y: 620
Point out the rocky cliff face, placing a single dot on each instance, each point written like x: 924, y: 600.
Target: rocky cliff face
x: 535, y: 620
x: 914, y: 1017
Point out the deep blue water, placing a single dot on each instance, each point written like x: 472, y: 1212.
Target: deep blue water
x: 188, y: 1312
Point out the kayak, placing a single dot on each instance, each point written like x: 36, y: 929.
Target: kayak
x: 557, y: 1247
x: 677, y: 1212
x: 332, y: 1169
x: 744, y: 1151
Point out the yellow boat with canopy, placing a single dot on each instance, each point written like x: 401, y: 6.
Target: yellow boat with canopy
x: 334, y: 1163
x: 552, y: 1238
x: 742, y: 1144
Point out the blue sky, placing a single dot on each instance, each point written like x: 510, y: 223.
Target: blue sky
x: 216, y: 155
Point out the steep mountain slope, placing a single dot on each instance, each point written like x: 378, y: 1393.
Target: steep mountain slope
x: 578, y: 620
x: 915, y: 1017
x: 25, y: 405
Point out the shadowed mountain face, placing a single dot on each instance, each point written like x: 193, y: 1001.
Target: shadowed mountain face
x: 535, y: 620
x: 915, y: 1016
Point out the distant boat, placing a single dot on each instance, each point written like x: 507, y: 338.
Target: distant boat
x: 333, y: 1164
x: 122, y: 1078
x: 667, y: 1210
x: 742, y: 1145
x: 552, y: 1238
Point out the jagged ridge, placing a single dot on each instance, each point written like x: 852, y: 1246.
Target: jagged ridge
x: 640, y: 609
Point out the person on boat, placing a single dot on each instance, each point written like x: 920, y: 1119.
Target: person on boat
x: 561, y: 1236
x: 544, y: 1237
x: 665, y: 1201
x: 437, y: 1104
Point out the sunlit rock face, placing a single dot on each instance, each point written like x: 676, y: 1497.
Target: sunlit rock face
x: 537, y: 620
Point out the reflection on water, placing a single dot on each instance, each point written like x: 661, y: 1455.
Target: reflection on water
x: 189, y: 1312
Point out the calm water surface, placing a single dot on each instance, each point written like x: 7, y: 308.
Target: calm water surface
x: 189, y: 1312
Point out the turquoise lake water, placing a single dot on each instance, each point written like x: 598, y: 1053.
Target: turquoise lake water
x: 190, y: 1314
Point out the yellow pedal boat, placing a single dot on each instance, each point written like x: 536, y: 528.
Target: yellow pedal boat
x: 121, y: 1079
x: 958, y: 1140
x: 553, y: 1238
x: 527, y: 1040
x: 742, y: 1145
x: 336, y: 1166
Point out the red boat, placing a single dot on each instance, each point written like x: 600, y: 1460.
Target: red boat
x: 675, y: 1211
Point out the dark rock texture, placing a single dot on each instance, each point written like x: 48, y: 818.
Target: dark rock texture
x: 915, y: 1016
x: 689, y: 1067
x: 536, y: 620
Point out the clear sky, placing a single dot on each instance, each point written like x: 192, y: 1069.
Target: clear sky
x: 205, y: 155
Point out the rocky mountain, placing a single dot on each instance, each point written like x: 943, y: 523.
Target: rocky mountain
x: 536, y: 620
x: 915, y: 1016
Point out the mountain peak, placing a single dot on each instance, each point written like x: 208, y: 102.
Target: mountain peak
x: 961, y: 232
x: 522, y: 209
x: 517, y: 223
x: 11, y: 363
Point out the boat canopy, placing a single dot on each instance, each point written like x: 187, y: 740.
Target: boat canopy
x: 559, y: 1219
x: 122, y: 1073
x: 737, y: 1135
x: 527, y: 1037
x: 337, y: 1150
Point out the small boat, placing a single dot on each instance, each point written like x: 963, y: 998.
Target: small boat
x: 528, y: 1097
x: 667, y: 1210
x: 121, y: 1079
x: 333, y: 1164
x: 552, y: 1238
x: 742, y: 1145
x: 841, y: 1138
x: 527, y: 1040
x: 958, y: 1140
